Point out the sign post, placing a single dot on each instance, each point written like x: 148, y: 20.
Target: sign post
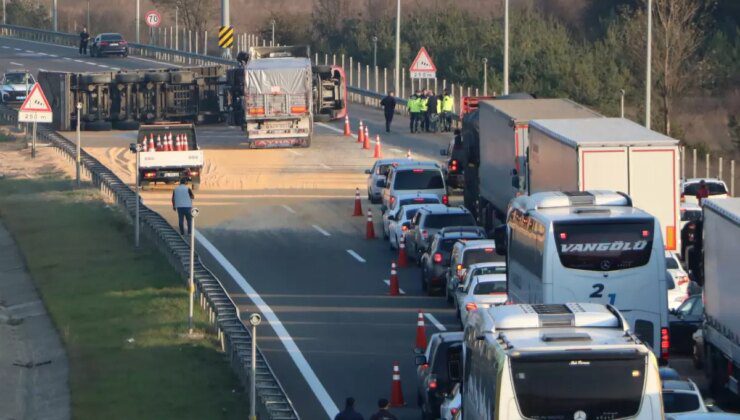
x: 35, y: 109
x: 422, y: 68
x: 255, y: 319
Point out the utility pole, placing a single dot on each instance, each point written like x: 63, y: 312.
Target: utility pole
x: 191, y: 282
x: 5, y: 20
x: 375, y: 52
x: 272, y: 22
x: 254, y: 320
x: 225, y: 21
x: 397, y: 71
x: 89, y: 29
x: 55, y: 12
x: 621, y: 103
x: 485, y: 76
x: 79, y: 144
x: 648, y: 62
x: 138, y: 20
x: 177, y: 31
x: 506, y: 47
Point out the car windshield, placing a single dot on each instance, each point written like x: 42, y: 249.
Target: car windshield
x: 438, y: 221
x: 478, y: 255
x: 419, y: 179
x: 18, y: 78
x: 680, y: 402
x: 690, y: 215
x: 714, y: 188
x: 499, y: 269
x: 111, y: 37
x: 671, y: 264
x: 445, y: 245
x: 490, y: 287
x: 411, y: 213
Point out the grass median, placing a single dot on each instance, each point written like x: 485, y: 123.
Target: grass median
x: 122, y: 314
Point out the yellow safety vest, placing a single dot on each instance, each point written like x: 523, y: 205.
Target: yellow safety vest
x: 424, y: 102
x: 448, y: 103
x: 414, y: 105
x: 439, y: 106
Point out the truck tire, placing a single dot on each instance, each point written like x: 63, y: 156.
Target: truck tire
x: 195, y: 183
x: 322, y: 69
x: 129, y: 77
x: 126, y: 125
x: 322, y: 118
x: 158, y: 76
x: 182, y: 77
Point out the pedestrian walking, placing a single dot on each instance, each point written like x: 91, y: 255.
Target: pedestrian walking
x: 702, y: 192
x: 389, y: 108
x: 383, y: 413
x: 182, y: 203
x: 432, y: 115
x: 84, y: 38
x: 349, y: 412
x: 448, y: 107
x: 414, y: 106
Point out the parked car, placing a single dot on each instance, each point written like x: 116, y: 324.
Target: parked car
x: 109, y: 44
x: 689, y: 187
x: 404, y: 200
x: 377, y: 176
x: 436, y: 260
x: 428, y: 221
x: 14, y: 85
x: 691, y: 216
x: 450, y: 409
x: 456, y: 288
x: 682, y: 396
x: 482, y: 292
x: 680, y: 291
x: 467, y: 254
x: 683, y: 322
x: 412, y: 178
x: 704, y: 416
x: 455, y: 153
x: 438, y: 369
x: 399, y: 223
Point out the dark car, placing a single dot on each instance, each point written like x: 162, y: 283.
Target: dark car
x: 683, y: 322
x: 435, y: 261
x: 455, y: 161
x: 428, y: 221
x: 438, y: 369
x: 109, y: 44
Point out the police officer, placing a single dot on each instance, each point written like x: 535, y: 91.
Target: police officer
x: 84, y: 37
x: 383, y: 413
x: 448, y: 107
x: 414, y: 105
x: 423, y: 116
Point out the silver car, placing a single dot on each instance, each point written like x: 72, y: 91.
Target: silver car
x: 412, y: 178
x: 377, y: 176
x: 405, y: 200
x: 14, y: 85
x: 455, y: 287
x: 483, y: 291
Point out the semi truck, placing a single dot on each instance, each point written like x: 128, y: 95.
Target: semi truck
x: 496, y: 142
x: 606, y: 154
x: 168, y: 153
x: 721, y: 328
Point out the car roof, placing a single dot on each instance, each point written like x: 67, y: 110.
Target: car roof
x: 489, y: 278
x: 697, y: 180
x: 679, y: 385
x: 443, y: 209
x: 458, y: 234
x: 399, y: 161
x: 486, y: 264
x: 415, y: 206
x: 415, y: 164
x: 479, y: 243
x: 110, y: 33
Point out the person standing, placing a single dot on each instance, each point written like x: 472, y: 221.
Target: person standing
x: 389, y: 108
x: 349, y: 412
x: 702, y: 192
x: 84, y: 38
x: 383, y: 413
x: 432, y: 115
x: 423, y: 116
x: 448, y: 107
x: 182, y: 202
x: 414, y: 106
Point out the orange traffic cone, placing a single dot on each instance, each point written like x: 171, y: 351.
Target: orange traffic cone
x: 358, y: 203
x: 408, y: 154
x: 360, y: 134
x: 370, y: 229
x: 403, y: 260
x: 366, y: 140
x: 396, y: 391
x: 151, y: 143
x: 393, y: 289
x: 421, y: 333
x: 347, y: 132
x: 378, y: 153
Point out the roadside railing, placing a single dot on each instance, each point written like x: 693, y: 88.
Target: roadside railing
x: 223, y: 314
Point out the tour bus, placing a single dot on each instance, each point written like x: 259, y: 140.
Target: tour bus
x: 560, y: 361
x: 589, y: 246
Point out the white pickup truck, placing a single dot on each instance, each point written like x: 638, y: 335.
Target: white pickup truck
x: 169, y: 152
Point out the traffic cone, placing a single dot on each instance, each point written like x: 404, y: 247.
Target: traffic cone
x: 403, y: 260
x: 178, y: 144
x: 167, y: 143
x: 378, y: 153
x: 151, y: 143
x: 366, y: 140
x: 396, y: 391
x: 408, y: 154
x: 421, y: 333
x: 347, y: 132
x: 393, y: 289
x: 370, y: 229
x: 358, y: 203
x: 360, y: 134
x: 185, y: 145
x: 160, y: 146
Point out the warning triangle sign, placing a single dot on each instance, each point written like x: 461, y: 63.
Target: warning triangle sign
x: 36, y: 101
x: 423, y: 62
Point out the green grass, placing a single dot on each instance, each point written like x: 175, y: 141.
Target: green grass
x: 100, y: 292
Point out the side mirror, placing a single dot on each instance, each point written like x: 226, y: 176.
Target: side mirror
x: 368, y: 171
x: 515, y: 182
x: 461, y: 288
x: 420, y: 359
x: 499, y: 236
x: 391, y: 217
x: 443, y: 152
x: 383, y: 208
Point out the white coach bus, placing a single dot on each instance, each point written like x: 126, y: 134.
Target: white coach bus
x: 589, y: 247
x: 557, y: 362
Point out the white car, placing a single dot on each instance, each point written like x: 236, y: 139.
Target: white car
x: 377, y: 175
x: 450, y: 408
x: 680, y: 292
x: 453, y: 287
x: 399, y: 223
x: 682, y: 397
x: 405, y: 200
x: 689, y: 187
x: 483, y: 291
x: 14, y: 84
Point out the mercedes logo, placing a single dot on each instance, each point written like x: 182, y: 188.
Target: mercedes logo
x: 606, y: 264
x: 579, y: 415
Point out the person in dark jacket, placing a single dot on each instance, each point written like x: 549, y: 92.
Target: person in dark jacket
x: 349, y: 412
x: 84, y: 38
x: 383, y: 413
x: 389, y: 107
x: 432, y: 114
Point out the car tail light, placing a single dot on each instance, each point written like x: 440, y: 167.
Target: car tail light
x: 417, y: 171
x: 404, y: 228
x: 297, y: 109
x: 424, y: 234
x: 445, y: 199
x: 453, y: 165
x: 454, y: 411
x: 256, y: 111
x: 103, y: 43
x: 459, y: 271
x: 437, y: 258
x: 418, y: 200
x: 432, y: 383
x: 425, y: 366
x: 645, y: 233
x: 392, y: 200
x: 123, y: 42
x: 665, y: 344
x: 193, y: 173
x: 563, y: 236
x: 488, y: 250
x: 683, y: 280
x: 150, y: 174
x: 683, y: 198
x: 471, y: 306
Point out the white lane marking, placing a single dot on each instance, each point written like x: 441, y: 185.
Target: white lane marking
x: 53, y: 55
x: 40, y: 69
x: 321, y: 231
x: 155, y: 61
x: 67, y: 58
x: 15, y: 64
x: 90, y: 63
x: 29, y: 51
x: 17, y: 49
x: 78, y: 61
x: 295, y: 152
x: 293, y: 351
x: 355, y: 255
x: 103, y: 66
x: 6, y: 47
x: 288, y: 208
x: 41, y: 53
x: 115, y: 68
x: 434, y: 321
x: 396, y: 150
x: 325, y: 166
x: 330, y: 127
x: 388, y: 282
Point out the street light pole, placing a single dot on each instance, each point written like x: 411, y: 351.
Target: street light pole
x: 79, y: 143
x: 5, y: 20
x: 485, y: 76
x: 648, y: 62
x: 397, y: 70
x: 621, y: 103
x: 88, y: 16
x: 177, y: 31
x: 138, y: 20
x: 254, y: 320
x: 273, y: 32
x: 191, y: 282
x: 506, y: 47
x: 375, y: 52
x: 54, y: 17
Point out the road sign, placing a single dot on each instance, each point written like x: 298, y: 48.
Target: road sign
x: 226, y: 36
x: 35, y: 108
x: 423, y: 67
x: 153, y: 18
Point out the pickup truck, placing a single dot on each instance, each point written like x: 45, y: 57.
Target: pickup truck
x: 168, y: 153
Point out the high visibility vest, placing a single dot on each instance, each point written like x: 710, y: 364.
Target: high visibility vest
x: 424, y: 102
x: 414, y: 105
x: 448, y: 103
x: 439, y: 106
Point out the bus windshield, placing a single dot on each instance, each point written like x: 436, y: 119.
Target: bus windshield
x: 573, y: 387
x: 604, y: 245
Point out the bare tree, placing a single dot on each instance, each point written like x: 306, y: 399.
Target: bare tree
x: 194, y: 14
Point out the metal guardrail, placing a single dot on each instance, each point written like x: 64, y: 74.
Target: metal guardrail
x: 223, y: 314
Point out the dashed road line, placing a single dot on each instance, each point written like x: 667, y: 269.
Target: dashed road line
x: 388, y: 282
x: 78, y: 61
x: 321, y: 231
x: 325, y: 166
x: 288, y: 208
x: 330, y: 127
x: 41, y: 53
x: 53, y: 55
x: 295, y: 152
x: 281, y: 332
x: 18, y: 49
x: 5, y: 47
x: 396, y: 150
x: 91, y: 63
x: 434, y: 321
x: 103, y: 66
x: 356, y: 256
x: 40, y: 69
x: 15, y: 64
x: 115, y: 68
x: 67, y: 58
x: 29, y: 51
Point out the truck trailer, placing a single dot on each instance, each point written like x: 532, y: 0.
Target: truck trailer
x: 721, y: 329
x: 608, y: 154
x: 168, y: 153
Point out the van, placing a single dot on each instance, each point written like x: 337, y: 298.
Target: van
x: 417, y: 177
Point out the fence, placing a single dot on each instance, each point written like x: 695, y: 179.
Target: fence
x: 223, y: 314
x: 708, y: 165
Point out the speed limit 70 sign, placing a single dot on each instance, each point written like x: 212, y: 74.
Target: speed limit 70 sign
x: 153, y: 18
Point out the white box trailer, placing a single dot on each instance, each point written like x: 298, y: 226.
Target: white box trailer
x: 504, y: 138
x: 722, y: 292
x: 608, y: 154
